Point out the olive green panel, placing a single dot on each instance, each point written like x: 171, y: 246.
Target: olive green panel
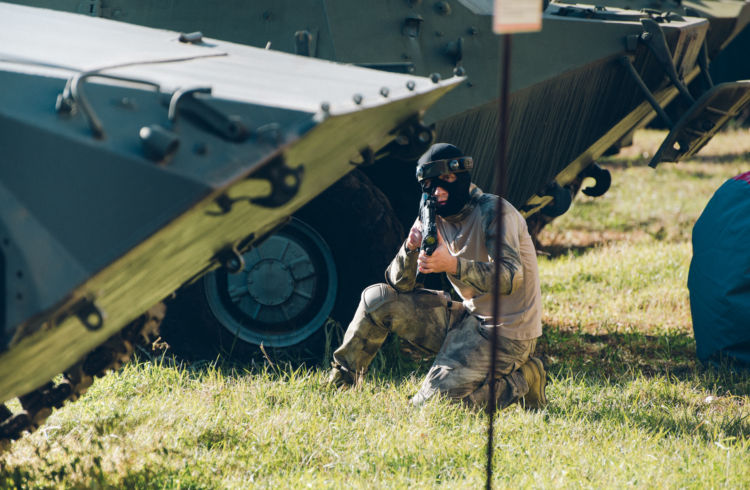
x: 378, y: 33
x: 253, y: 23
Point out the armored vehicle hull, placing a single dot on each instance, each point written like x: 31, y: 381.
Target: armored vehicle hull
x: 135, y: 160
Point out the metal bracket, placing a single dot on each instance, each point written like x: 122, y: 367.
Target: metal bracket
x: 625, y: 61
x: 654, y: 38
x: 270, y: 134
x: 91, y: 8
x: 73, y: 97
x: 412, y: 139
x: 703, y: 63
x: 597, y: 12
x: 367, y: 158
x: 87, y: 312
x: 285, y: 182
x: 231, y: 259
x: 227, y: 127
x: 303, y: 43
x: 661, y: 16
x: 412, y: 26
x: 191, y: 37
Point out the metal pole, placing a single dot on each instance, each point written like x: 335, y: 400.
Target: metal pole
x: 500, y: 179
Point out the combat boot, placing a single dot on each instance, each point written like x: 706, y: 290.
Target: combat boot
x: 339, y: 377
x: 536, y: 377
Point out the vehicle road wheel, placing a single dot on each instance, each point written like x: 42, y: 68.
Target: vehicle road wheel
x: 311, y: 270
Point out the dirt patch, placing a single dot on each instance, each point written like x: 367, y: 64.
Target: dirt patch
x: 557, y: 243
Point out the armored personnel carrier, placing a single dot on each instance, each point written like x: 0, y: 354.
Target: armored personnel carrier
x: 578, y: 87
x: 135, y: 160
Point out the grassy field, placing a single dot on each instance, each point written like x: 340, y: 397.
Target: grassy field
x: 629, y: 404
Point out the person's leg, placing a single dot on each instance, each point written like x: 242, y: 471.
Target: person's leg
x: 461, y: 369
x: 517, y: 377
x: 421, y: 317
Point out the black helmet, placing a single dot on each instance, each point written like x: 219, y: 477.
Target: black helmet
x: 441, y: 159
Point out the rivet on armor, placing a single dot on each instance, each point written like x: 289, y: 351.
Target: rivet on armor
x: 443, y: 8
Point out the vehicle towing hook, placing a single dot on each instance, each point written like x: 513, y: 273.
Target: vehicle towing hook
x: 561, y: 200
x: 602, y: 177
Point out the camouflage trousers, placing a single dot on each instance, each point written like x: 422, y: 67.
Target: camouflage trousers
x: 434, y: 324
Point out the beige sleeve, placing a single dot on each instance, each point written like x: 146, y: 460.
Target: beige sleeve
x: 479, y: 275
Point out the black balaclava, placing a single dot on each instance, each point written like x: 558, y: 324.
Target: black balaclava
x: 440, y: 159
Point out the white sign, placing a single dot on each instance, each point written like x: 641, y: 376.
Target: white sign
x: 517, y: 16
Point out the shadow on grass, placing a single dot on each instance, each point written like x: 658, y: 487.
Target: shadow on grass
x: 280, y: 368
x: 577, y: 242
x: 201, y: 352
x: 556, y: 250
x: 611, y: 355
x: 581, y: 242
x: 615, y: 360
x: 617, y: 356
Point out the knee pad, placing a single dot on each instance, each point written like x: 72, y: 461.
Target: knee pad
x: 377, y: 295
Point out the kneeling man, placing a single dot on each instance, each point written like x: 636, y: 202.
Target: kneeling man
x: 458, y: 333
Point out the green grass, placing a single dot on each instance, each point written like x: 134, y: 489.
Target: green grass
x: 629, y: 404
x: 619, y: 287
